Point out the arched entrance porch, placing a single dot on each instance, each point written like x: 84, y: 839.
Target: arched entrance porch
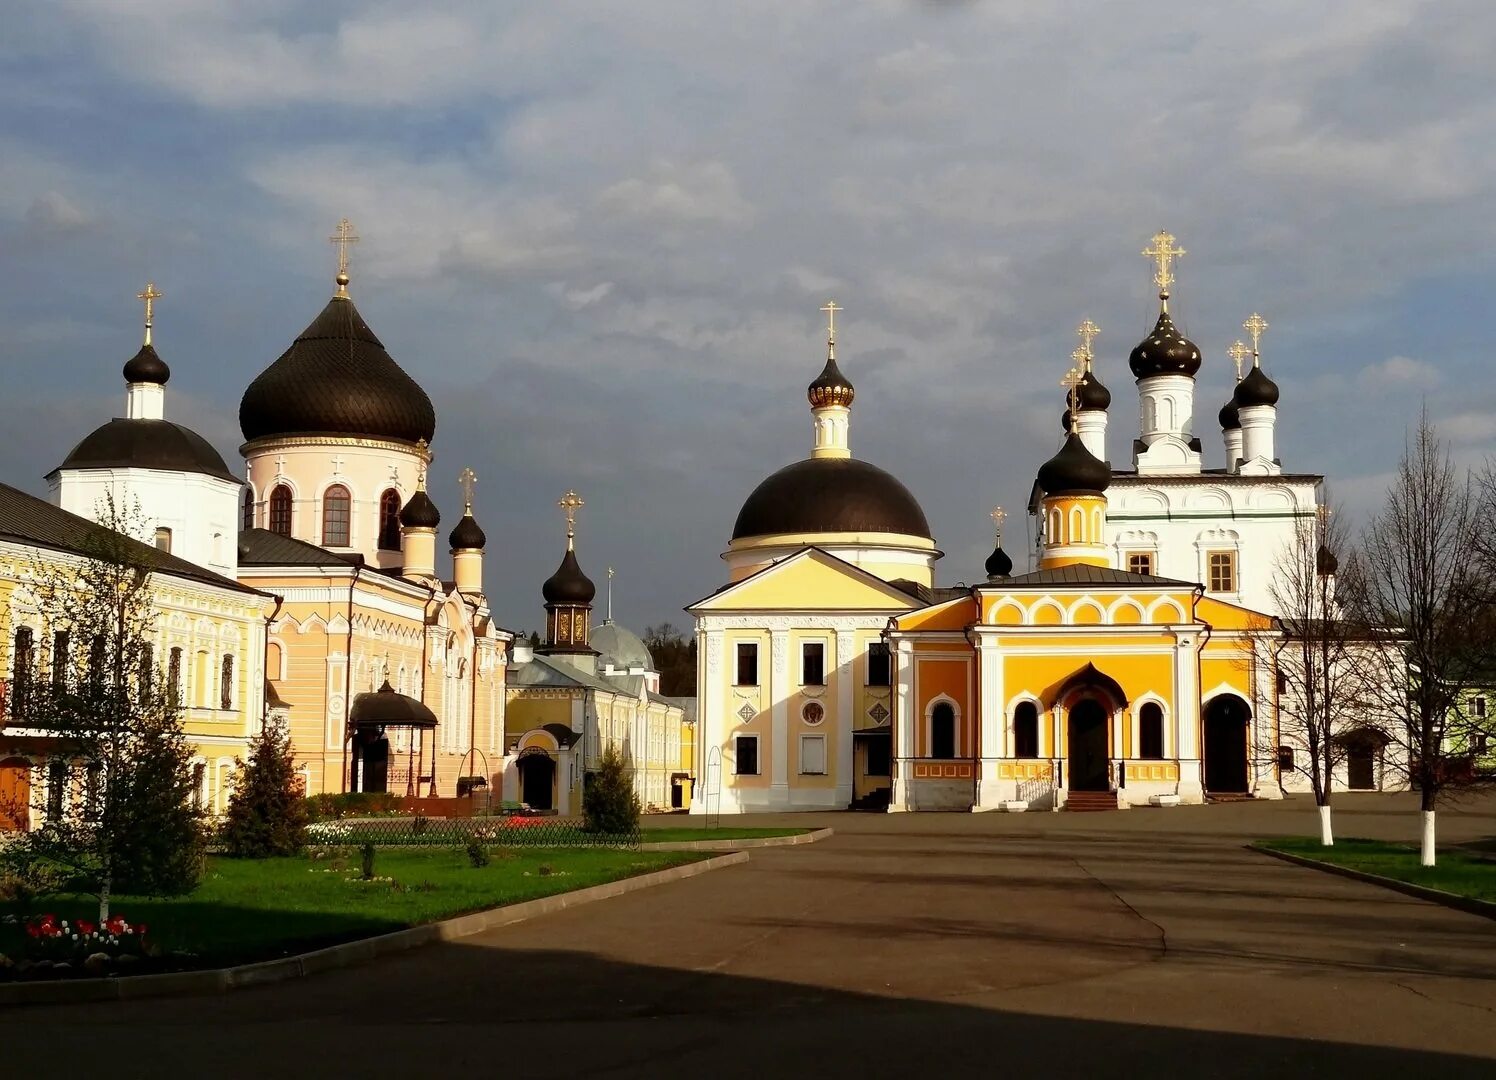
x: 1090, y: 699
x: 1225, y: 741
x: 537, y: 778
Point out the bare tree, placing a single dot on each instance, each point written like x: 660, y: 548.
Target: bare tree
x: 1316, y: 657
x: 117, y: 803
x: 1421, y: 579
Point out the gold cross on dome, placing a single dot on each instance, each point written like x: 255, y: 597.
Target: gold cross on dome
x: 1072, y: 381
x: 1087, y: 331
x: 1163, y: 252
x: 831, y: 308
x: 570, y: 503
x: 1238, y: 353
x: 1082, y: 359
x: 343, y: 237
x: 150, y: 295
x: 467, y: 479
x: 1254, y: 326
x: 998, y: 516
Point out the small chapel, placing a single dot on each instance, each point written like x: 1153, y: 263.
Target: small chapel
x: 1129, y: 663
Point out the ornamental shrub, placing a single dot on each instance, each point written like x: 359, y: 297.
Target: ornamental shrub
x: 609, y: 803
x: 267, y: 814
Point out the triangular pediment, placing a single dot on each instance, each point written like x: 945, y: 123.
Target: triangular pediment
x: 809, y: 580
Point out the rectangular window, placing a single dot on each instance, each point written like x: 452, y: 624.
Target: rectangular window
x: 174, y: 677
x: 1480, y: 706
x: 147, y: 675
x: 747, y: 755
x: 57, y: 782
x: 1223, y: 571
x: 812, y: 755
x: 813, y: 663
x: 226, y: 684
x: 879, y: 669
x: 163, y: 540
x: 879, y: 757
x: 1140, y: 562
x: 1285, y: 758
x: 747, y: 673
x: 60, y: 659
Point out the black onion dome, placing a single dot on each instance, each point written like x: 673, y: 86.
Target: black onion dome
x: 146, y: 366
x: 1074, y: 470
x: 420, y: 512
x: 1164, y: 352
x: 147, y: 444
x: 1256, y: 389
x: 831, y: 387
x: 998, y: 564
x: 1066, y: 420
x: 337, y: 378
x: 1325, y: 562
x: 1092, y: 394
x: 568, y: 585
x: 467, y: 534
x: 831, y: 495
x: 1228, y: 416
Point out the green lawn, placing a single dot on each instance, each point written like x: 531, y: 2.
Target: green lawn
x: 1456, y: 873
x: 247, y: 910
x: 680, y: 836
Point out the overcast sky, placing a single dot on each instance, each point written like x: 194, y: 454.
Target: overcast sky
x: 599, y: 234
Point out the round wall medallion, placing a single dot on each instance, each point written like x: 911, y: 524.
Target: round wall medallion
x: 813, y: 712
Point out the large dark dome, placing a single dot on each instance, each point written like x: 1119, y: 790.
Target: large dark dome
x: 1074, y: 471
x: 831, y: 495
x: 467, y: 534
x: 1255, y: 389
x: 1164, y: 352
x: 148, y: 444
x: 1092, y: 393
x: 337, y: 379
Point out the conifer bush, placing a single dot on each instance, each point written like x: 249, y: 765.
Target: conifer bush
x: 267, y: 814
x: 609, y: 802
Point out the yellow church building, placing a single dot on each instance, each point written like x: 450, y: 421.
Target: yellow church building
x: 834, y: 673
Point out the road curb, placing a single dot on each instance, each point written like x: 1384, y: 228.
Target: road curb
x: 348, y: 954
x: 1467, y: 904
x: 742, y: 844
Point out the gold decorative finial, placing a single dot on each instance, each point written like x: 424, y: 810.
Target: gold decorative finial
x: 1082, y: 359
x: 1087, y: 331
x: 467, y: 478
x: 1238, y: 352
x: 150, y: 296
x: 1163, y: 253
x: 1072, y: 381
x: 998, y: 516
x: 570, y: 503
x: 421, y: 465
x: 343, y: 237
x: 831, y: 308
x: 1254, y: 326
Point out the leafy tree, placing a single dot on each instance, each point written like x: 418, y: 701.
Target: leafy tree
x: 118, y: 797
x: 609, y: 803
x: 267, y: 814
x: 674, y: 658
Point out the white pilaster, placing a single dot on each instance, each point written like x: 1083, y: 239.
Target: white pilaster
x: 145, y: 401
x: 846, y: 693
x: 779, y: 692
x: 1187, y: 713
x: 903, y: 727
x: 993, y: 720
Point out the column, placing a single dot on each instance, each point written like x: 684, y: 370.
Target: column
x: 993, y: 718
x: 846, y: 698
x: 709, y: 719
x: 1187, y: 716
x: 779, y: 693
x: 903, y: 728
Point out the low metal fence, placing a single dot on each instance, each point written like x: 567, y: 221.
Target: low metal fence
x: 516, y: 831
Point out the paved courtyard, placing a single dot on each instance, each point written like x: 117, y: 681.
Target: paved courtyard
x: 1147, y: 942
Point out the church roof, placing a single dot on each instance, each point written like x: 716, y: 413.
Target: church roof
x: 337, y: 378
x: 261, y: 547
x: 26, y: 519
x: 620, y: 646
x: 1082, y: 574
x: 147, y: 444
x: 831, y: 495
x: 146, y: 366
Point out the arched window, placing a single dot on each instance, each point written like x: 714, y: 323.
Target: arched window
x: 335, y: 511
x: 249, y: 510
x: 1151, y: 731
x: 389, y: 521
x: 1026, y: 730
x: 22, y: 670
x: 226, y: 684
x: 146, y: 673
x: 280, y: 510
x: 163, y: 539
x: 174, y: 677
x: 943, y: 731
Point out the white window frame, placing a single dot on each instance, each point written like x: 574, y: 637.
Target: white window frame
x: 737, y: 673
x: 758, y: 761
x: 825, y: 654
x: 804, y: 741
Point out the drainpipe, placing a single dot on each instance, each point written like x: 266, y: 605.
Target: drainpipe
x: 264, y: 657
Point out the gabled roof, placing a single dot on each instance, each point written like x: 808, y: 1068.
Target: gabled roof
x: 897, y: 596
x: 261, y: 547
x: 1082, y: 574
x: 543, y: 673
x: 26, y: 519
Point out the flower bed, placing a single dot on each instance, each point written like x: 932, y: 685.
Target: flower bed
x: 57, y: 947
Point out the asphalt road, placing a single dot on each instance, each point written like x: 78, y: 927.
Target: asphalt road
x: 1147, y: 942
